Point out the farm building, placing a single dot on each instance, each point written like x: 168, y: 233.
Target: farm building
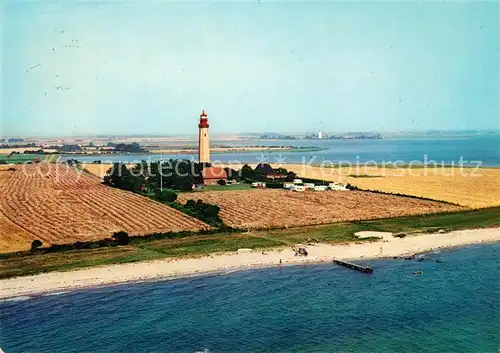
x: 275, y: 175
x: 297, y: 181
x: 270, y: 173
x: 258, y: 184
x: 213, y: 174
x: 287, y: 185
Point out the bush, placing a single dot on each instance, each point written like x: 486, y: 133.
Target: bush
x: 203, y: 211
x: 221, y: 182
x: 120, y: 177
x: 274, y: 185
x: 247, y: 172
x: 165, y: 195
x: 232, y: 174
x: 122, y: 238
x: 36, y: 244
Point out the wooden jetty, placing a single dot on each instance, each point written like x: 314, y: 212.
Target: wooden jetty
x: 364, y: 269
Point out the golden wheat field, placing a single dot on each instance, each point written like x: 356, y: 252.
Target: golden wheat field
x: 260, y: 208
x: 13, y: 237
x: 469, y: 187
x: 99, y: 170
x: 54, y: 203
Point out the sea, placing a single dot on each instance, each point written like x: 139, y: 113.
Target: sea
x: 472, y: 150
x: 452, y: 306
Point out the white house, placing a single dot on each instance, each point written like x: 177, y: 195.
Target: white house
x: 287, y: 185
x: 258, y: 184
x: 297, y: 181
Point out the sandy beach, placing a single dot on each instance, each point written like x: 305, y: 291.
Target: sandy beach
x: 388, y: 246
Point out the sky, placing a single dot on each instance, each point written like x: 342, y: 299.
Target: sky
x: 150, y: 68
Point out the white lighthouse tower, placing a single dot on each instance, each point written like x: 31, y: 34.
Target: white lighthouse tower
x: 203, y: 139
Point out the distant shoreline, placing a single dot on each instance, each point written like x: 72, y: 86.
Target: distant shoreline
x: 194, y: 151
x: 242, y: 149
x: 237, y: 261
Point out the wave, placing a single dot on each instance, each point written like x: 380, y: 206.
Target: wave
x: 55, y: 293
x: 16, y: 299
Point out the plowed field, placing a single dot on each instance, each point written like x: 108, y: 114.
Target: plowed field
x: 280, y: 208
x: 56, y: 204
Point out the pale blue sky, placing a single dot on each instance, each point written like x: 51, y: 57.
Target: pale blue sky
x: 132, y: 68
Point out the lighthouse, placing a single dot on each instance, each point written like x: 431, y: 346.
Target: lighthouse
x: 203, y: 140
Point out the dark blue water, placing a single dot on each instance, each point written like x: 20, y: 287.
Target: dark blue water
x: 453, y: 307
x: 483, y: 148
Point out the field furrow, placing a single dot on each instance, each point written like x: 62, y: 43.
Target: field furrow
x: 281, y: 208
x: 56, y: 204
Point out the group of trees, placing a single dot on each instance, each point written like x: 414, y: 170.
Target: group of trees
x: 172, y: 174
x: 262, y: 172
x: 69, y: 148
x: 203, y: 211
x: 133, y: 147
x: 147, y: 178
x: 119, y: 176
x: 39, y: 151
x: 73, y: 162
x: 150, y: 176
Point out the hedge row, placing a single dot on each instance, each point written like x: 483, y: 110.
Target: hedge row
x: 119, y: 240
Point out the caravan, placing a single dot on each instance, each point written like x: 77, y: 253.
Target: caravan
x: 320, y: 188
x: 337, y: 187
x: 298, y: 188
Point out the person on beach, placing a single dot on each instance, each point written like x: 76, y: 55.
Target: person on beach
x: 281, y: 262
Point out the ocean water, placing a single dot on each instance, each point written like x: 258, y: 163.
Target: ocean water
x: 483, y: 148
x: 453, y: 307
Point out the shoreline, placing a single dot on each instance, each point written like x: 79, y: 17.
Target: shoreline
x: 168, y: 269
x: 214, y: 151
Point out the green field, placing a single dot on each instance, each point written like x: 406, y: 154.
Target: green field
x: 23, y: 158
x: 19, y: 264
x: 20, y: 158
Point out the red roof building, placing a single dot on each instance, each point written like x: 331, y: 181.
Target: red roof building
x: 212, y: 174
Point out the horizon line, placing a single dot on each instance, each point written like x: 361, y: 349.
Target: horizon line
x: 245, y: 134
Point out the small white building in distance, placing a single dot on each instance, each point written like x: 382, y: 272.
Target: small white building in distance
x: 320, y: 135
